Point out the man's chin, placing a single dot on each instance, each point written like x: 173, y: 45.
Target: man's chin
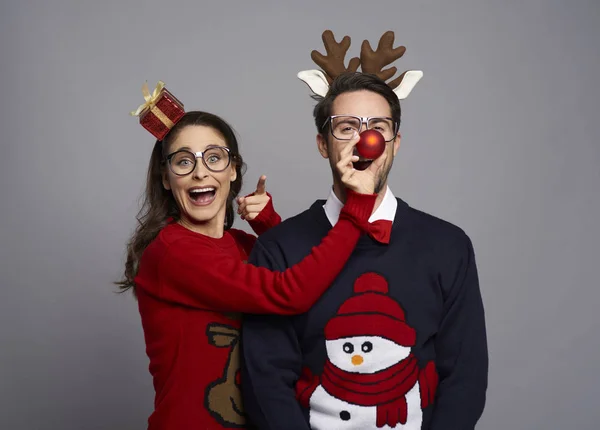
x: 381, y: 185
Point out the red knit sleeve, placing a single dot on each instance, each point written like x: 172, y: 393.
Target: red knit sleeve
x: 197, y: 276
x: 266, y: 218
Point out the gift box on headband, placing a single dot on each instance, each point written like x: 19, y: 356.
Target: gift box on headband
x: 160, y: 112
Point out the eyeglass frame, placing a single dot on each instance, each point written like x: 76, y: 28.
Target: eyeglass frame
x: 363, y: 120
x: 199, y: 154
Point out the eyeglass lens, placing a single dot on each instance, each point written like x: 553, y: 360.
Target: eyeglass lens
x: 184, y: 162
x: 343, y: 127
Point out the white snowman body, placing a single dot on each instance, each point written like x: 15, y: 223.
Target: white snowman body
x: 362, y: 355
x: 327, y: 412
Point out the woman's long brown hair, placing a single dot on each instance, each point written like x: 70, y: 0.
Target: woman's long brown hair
x: 158, y: 204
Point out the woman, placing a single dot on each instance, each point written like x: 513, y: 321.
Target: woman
x: 187, y: 267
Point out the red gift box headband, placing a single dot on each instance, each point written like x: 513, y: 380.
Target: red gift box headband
x: 332, y: 65
x: 166, y: 123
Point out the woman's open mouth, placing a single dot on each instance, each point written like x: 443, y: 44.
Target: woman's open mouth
x: 202, y: 196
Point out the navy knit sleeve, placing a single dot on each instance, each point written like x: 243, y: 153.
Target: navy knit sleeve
x: 461, y: 347
x: 272, y: 361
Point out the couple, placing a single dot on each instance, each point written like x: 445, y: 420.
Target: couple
x: 359, y: 313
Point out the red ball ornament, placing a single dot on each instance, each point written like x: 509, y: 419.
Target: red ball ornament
x: 371, y: 144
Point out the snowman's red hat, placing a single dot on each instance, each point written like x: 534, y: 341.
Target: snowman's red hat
x: 371, y: 312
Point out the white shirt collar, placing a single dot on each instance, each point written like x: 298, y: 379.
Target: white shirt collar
x: 386, y: 210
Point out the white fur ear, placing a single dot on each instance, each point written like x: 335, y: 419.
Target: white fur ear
x: 316, y: 81
x: 409, y: 81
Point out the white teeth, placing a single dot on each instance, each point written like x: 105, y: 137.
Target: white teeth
x: 202, y: 190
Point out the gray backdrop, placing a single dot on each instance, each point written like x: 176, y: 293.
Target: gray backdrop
x: 500, y: 137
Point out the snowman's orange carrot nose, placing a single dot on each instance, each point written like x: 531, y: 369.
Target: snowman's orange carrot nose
x: 357, y: 360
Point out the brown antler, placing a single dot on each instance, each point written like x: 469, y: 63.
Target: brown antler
x: 374, y: 61
x: 333, y: 63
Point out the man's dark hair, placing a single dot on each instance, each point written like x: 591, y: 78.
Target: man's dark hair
x: 354, y: 81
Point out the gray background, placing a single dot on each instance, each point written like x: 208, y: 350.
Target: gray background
x: 500, y: 137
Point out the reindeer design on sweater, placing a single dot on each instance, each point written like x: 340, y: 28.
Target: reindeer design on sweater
x: 223, y: 397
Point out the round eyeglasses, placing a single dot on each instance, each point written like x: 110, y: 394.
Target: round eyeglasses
x: 183, y: 162
x: 343, y: 127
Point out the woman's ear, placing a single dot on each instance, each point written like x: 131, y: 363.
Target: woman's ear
x: 233, y: 172
x: 165, y: 178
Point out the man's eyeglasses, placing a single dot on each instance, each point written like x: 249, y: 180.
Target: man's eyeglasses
x: 343, y: 127
x: 183, y: 162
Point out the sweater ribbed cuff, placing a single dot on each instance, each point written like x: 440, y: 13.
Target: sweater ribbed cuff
x: 266, y: 218
x: 358, y: 207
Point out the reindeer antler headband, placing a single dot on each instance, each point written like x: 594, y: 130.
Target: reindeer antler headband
x: 370, y: 62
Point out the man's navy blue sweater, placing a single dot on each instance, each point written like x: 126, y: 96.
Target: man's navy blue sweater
x: 398, y: 341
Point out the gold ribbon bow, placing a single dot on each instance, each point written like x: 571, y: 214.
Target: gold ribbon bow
x: 151, y: 100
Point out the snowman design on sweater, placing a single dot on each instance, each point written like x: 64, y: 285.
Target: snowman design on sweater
x: 371, y: 379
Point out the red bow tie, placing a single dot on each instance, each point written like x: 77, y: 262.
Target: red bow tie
x: 380, y: 230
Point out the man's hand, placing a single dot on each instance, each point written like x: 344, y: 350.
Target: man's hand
x: 364, y: 181
x: 249, y: 207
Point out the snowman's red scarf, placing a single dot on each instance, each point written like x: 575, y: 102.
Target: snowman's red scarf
x: 386, y: 389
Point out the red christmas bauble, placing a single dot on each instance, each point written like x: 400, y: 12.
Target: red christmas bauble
x: 371, y: 144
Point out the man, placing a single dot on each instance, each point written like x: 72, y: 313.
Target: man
x: 399, y: 339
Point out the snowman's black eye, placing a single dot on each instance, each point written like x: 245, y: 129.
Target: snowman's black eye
x: 348, y: 348
x: 367, y: 347
x: 345, y: 415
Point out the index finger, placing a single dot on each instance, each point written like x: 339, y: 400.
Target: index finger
x: 260, y: 187
x: 349, y: 148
